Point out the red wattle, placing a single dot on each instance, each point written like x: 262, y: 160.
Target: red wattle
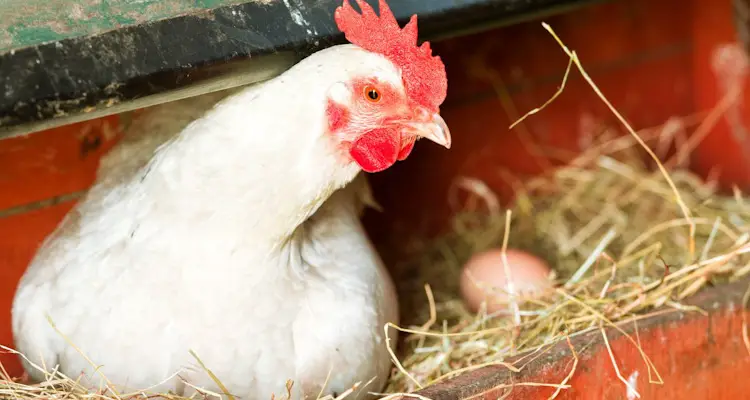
x: 376, y: 150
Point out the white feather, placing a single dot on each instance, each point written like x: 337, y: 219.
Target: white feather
x: 214, y: 229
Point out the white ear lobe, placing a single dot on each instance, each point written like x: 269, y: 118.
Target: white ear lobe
x: 339, y: 92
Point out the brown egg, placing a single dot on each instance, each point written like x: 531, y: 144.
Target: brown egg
x: 483, y: 278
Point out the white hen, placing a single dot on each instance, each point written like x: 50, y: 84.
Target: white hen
x: 228, y: 233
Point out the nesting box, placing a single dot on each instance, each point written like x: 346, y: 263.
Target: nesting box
x: 652, y: 59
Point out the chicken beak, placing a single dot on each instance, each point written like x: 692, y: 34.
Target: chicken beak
x: 434, y: 129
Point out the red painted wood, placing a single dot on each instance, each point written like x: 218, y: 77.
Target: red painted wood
x: 51, y: 163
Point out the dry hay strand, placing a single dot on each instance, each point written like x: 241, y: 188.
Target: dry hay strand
x: 622, y: 238
x: 57, y: 385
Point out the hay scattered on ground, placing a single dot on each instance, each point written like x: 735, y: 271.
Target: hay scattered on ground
x: 622, y: 238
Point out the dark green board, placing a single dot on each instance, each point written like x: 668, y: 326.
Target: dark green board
x: 34, y: 22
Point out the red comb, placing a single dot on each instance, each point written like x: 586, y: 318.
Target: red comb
x: 424, y: 75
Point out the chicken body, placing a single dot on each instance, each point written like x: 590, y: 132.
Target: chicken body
x: 229, y: 232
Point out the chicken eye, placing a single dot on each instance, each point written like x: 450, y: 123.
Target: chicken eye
x: 372, y: 94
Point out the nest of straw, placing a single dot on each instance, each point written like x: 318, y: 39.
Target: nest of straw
x: 624, y: 233
x: 618, y: 242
